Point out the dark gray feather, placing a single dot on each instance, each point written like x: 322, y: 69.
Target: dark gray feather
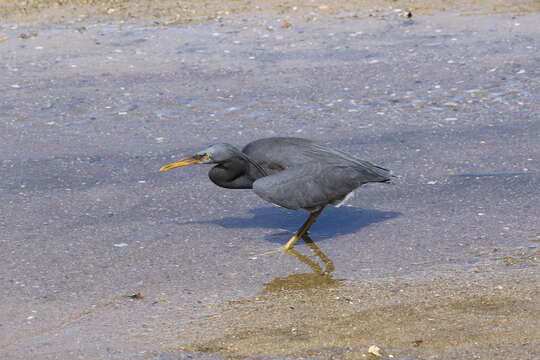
x: 309, y: 186
x: 280, y: 153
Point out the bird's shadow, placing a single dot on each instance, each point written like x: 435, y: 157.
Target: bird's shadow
x: 332, y: 222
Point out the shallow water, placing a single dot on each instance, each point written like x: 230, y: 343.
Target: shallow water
x: 448, y: 103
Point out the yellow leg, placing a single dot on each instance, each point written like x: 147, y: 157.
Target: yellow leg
x: 312, y: 217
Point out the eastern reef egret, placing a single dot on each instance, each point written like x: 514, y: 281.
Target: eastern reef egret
x: 293, y: 173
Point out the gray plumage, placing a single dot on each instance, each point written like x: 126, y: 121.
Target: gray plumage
x: 289, y: 172
x: 304, y: 174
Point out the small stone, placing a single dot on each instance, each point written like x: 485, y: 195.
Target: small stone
x: 137, y: 296
x: 375, y: 350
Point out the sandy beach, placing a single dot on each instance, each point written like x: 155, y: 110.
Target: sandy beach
x: 104, y: 257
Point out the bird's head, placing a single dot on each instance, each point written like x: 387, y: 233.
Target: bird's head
x: 214, y: 154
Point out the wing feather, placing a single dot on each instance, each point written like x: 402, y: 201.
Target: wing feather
x: 308, y: 186
x: 276, y: 154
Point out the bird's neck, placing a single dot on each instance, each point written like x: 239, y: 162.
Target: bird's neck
x: 235, y: 173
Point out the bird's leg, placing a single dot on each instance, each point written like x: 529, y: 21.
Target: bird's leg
x: 312, y: 217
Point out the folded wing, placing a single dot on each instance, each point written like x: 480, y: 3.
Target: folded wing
x: 309, y: 185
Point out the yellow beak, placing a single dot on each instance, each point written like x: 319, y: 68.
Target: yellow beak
x: 183, y: 162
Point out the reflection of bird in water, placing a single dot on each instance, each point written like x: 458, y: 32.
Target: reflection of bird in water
x: 319, y: 279
x: 292, y: 173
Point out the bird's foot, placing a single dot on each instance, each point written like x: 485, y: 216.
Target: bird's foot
x: 285, y: 248
x: 289, y: 245
x: 275, y: 251
x: 282, y: 249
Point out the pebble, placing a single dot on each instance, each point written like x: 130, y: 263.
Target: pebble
x: 375, y: 350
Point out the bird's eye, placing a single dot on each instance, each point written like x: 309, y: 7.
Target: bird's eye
x: 206, y: 157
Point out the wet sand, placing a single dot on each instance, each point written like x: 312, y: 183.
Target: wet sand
x: 461, y: 316
x: 441, y: 265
